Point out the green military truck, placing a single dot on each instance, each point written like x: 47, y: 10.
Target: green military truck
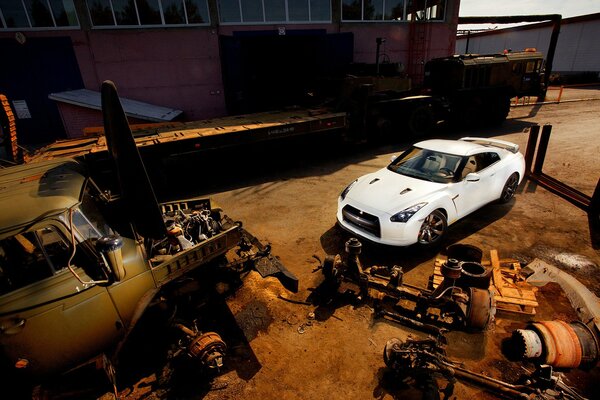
x: 461, y: 90
x: 79, y: 265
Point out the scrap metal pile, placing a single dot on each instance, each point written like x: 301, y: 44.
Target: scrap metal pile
x: 464, y: 299
x: 424, y: 360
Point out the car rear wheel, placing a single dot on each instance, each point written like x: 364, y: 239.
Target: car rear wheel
x: 509, y: 189
x: 433, y: 229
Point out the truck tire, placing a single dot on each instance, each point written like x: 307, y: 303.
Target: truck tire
x: 420, y: 121
x: 468, y: 114
x: 498, y: 111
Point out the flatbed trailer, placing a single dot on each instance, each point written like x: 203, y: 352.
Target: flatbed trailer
x: 188, y: 137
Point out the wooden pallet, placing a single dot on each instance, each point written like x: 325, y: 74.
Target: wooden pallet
x: 511, y: 292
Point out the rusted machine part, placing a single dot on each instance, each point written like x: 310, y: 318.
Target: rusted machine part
x: 208, y: 347
x: 427, y: 355
x: 559, y: 344
x: 590, y: 348
x: 451, y: 269
x: 473, y: 274
x: 332, y: 266
x: 429, y: 328
x: 464, y: 252
x: 527, y: 343
x: 481, y: 309
x: 353, y: 249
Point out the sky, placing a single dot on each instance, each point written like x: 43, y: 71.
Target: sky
x: 567, y: 8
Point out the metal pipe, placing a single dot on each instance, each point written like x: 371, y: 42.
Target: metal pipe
x: 534, y: 132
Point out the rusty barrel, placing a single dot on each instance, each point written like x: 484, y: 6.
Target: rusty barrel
x: 566, y: 345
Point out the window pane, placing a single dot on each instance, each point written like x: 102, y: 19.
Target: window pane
x: 197, y: 11
x: 39, y: 14
x: 436, y: 10
x: 64, y: 12
x: 229, y: 11
x: 173, y: 11
x: 125, y: 12
x: 394, y: 10
x: 298, y: 10
x: 101, y: 12
x: 320, y: 10
x: 351, y: 10
x: 373, y: 9
x: 14, y: 14
x: 252, y: 10
x: 149, y: 12
x: 274, y: 10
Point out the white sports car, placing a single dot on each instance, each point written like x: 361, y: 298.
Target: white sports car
x: 430, y: 186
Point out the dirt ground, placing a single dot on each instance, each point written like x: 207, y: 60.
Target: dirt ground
x: 339, y: 356
x: 286, y: 195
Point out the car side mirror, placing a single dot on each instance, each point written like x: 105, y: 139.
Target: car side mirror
x: 472, y: 177
x: 110, y: 249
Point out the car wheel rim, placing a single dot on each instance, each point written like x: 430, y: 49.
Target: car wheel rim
x: 431, y: 230
x: 511, y: 188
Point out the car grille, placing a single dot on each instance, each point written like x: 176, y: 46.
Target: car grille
x: 362, y: 220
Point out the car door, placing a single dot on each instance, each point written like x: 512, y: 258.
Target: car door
x: 49, y: 320
x: 478, y: 180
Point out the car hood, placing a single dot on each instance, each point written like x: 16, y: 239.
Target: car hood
x: 390, y: 192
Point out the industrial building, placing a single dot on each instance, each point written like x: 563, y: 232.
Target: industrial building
x: 197, y: 59
x: 577, y: 54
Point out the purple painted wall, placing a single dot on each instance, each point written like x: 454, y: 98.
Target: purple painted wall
x: 176, y: 68
x: 180, y: 68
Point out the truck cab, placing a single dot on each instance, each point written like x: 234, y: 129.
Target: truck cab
x: 75, y: 276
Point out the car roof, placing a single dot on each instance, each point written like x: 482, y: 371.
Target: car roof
x: 32, y: 191
x: 457, y: 147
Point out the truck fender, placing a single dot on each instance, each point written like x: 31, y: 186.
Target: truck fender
x: 140, y: 308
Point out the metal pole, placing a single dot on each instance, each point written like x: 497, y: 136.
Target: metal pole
x: 542, y: 148
x: 534, y: 132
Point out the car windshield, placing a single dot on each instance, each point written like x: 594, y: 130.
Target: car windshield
x: 427, y: 165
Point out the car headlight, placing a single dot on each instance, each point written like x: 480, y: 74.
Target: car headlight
x: 345, y: 191
x: 407, y: 213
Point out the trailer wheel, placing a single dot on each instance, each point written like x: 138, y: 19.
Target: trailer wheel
x: 420, y: 121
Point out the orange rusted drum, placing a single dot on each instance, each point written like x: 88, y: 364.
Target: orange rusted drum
x: 562, y: 348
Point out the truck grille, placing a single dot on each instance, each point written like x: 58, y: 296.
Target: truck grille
x: 362, y: 220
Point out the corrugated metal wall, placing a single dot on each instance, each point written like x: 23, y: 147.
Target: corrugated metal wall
x: 578, y: 48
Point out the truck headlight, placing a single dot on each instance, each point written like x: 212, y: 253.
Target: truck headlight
x: 345, y: 191
x: 407, y: 213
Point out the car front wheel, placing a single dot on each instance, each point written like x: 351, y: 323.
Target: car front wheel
x: 509, y: 189
x: 433, y: 229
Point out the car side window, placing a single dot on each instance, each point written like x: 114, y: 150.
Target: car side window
x: 31, y: 256
x: 479, y: 162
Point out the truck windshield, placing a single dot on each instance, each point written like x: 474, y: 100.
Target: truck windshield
x: 427, y: 165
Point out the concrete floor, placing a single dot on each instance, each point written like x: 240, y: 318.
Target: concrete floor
x: 292, y: 205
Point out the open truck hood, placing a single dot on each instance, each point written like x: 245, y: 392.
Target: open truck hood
x: 136, y: 189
